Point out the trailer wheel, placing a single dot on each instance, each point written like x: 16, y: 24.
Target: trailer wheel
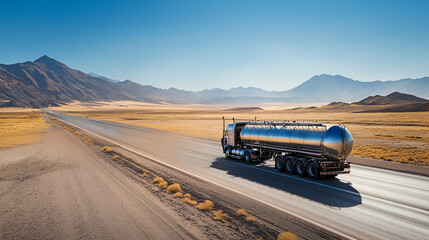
x: 279, y: 164
x: 228, y: 152
x: 289, y: 165
x: 312, y: 171
x: 300, y: 168
x: 247, y: 157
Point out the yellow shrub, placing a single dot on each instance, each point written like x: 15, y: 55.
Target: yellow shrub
x: 189, y: 201
x: 250, y: 219
x: 187, y: 195
x: 158, y: 179
x: 241, y: 212
x: 145, y: 174
x: 107, y: 149
x: 286, y: 236
x: 163, y: 184
x: 88, y: 139
x: 116, y: 157
x: 174, y: 188
x: 206, y: 205
x: 178, y: 194
x: 78, y: 133
x: 219, y: 215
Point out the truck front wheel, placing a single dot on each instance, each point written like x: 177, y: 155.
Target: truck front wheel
x: 228, y: 152
x: 313, y: 171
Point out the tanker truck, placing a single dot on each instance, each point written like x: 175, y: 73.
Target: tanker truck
x: 304, y: 148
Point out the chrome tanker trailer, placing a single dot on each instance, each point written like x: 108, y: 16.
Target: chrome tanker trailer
x: 311, y: 149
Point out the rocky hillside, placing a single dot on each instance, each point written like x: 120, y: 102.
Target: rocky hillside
x: 47, y: 82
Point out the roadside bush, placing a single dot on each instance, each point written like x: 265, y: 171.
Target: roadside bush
x: 250, y: 219
x: 145, y: 174
x: 174, y: 188
x: 178, y: 195
x: 163, y: 184
x: 207, y: 205
x: 286, y: 236
x: 78, y: 133
x: 88, y: 139
x: 116, y: 157
x: 219, y: 215
x: 187, y: 195
x: 107, y: 149
x: 189, y: 201
x: 158, y: 179
x: 241, y: 212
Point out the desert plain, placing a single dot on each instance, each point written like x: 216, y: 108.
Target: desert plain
x: 53, y: 175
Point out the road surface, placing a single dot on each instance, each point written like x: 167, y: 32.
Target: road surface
x: 369, y: 203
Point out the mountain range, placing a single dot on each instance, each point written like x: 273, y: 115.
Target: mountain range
x: 48, y: 82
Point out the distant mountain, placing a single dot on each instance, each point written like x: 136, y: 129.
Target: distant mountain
x: 394, y: 102
x: 152, y: 94
x: 393, y: 98
x: 103, y: 77
x: 47, y: 82
x: 328, y: 88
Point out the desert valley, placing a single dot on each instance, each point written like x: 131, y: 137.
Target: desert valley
x: 76, y: 146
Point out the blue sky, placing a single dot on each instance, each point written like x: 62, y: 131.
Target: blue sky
x: 194, y: 45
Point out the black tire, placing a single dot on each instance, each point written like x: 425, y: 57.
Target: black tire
x: 312, y: 171
x: 300, y: 168
x: 279, y: 164
x: 228, y: 152
x: 289, y: 165
x: 247, y: 157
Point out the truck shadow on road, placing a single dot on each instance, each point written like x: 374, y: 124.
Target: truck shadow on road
x: 330, y: 192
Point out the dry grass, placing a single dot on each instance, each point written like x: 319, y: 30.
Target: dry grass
x: 286, y: 236
x: 106, y: 149
x: 145, y: 175
x: 158, y: 180
x: 399, y: 131
x: 187, y: 195
x: 163, y: 184
x: 250, y: 219
x: 178, y: 194
x: 174, y: 188
x: 207, y: 205
x: 241, y: 212
x: 190, y: 201
x: 398, y: 154
x: 88, y: 139
x: 219, y: 215
x: 18, y: 128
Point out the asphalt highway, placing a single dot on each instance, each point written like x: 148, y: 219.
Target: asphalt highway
x: 368, y: 203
